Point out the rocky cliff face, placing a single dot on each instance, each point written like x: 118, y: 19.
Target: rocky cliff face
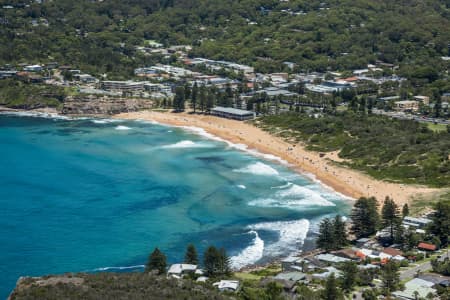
x: 91, y: 105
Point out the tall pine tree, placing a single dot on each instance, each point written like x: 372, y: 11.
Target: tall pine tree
x: 390, y: 277
x: 194, y: 96
x: 156, y: 261
x: 390, y: 215
x: 365, y: 217
x: 191, y: 256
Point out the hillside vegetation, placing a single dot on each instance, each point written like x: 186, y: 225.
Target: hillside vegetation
x: 100, y: 36
x: 16, y: 94
x: 390, y: 149
x: 112, y: 286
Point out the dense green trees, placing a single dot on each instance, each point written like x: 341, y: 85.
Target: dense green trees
x: 194, y: 96
x: 390, y: 277
x: 349, y: 276
x: 179, y: 99
x: 156, y: 262
x: 441, y: 267
x: 191, y: 256
x: 99, y: 36
x: 332, y: 234
x: 390, y: 215
x: 17, y: 94
x: 216, y: 262
x: 401, y: 150
x: 365, y: 217
x: 331, y: 291
x: 440, y: 225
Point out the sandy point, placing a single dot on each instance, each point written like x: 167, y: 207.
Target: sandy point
x: 349, y: 182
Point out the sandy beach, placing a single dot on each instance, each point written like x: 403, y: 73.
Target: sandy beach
x: 349, y: 182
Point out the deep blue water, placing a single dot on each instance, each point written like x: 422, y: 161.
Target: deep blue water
x: 86, y: 195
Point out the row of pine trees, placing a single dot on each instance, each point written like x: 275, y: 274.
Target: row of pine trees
x: 215, y: 261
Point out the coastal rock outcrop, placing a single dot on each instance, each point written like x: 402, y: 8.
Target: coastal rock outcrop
x: 92, y: 105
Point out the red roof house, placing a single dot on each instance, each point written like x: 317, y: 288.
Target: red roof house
x: 427, y: 247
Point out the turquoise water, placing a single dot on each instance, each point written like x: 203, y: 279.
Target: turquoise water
x: 87, y: 195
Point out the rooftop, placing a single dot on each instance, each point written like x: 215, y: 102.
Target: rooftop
x: 416, y: 285
x: 227, y: 284
x: 427, y: 246
x: 331, y: 258
x: 179, y: 268
x: 293, y: 276
x: 233, y: 111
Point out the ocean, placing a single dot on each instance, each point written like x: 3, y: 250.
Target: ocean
x: 101, y: 194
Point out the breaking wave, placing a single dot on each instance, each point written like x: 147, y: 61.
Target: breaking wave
x: 293, y: 197
x: 249, y: 255
x: 258, y: 168
x: 105, y: 121
x: 186, y: 144
x: 121, y: 127
x: 118, y: 268
x: 291, y: 235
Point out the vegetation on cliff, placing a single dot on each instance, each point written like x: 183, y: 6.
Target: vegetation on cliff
x: 389, y: 149
x: 112, y: 286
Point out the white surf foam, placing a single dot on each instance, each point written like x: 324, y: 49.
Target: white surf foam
x: 186, y: 144
x: 118, y: 268
x: 121, y: 127
x: 310, y: 196
x: 293, y: 197
x: 37, y: 114
x: 258, y: 168
x: 241, y: 186
x: 291, y: 235
x: 241, y: 147
x: 282, y: 186
x: 249, y: 255
x: 105, y: 121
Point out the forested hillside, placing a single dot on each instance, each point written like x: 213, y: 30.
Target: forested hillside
x: 317, y: 35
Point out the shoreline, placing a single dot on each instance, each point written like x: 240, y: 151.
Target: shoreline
x: 348, y: 182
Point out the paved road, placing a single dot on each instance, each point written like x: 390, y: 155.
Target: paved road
x: 423, y: 267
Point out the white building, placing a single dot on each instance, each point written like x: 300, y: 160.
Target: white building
x: 416, y: 222
x: 33, y: 68
x: 178, y: 270
x: 124, y: 86
x: 227, y: 285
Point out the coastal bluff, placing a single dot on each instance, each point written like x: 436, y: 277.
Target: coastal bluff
x: 92, y: 105
x: 111, y: 286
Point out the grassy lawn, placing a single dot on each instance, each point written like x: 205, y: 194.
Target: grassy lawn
x: 247, y: 276
x: 437, y: 127
x: 419, y: 204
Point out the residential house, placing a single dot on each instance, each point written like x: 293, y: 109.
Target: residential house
x: 32, y: 68
x: 415, y: 289
x: 346, y: 253
x: 331, y: 259
x: 426, y: 247
x: 178, y: 270
x: 327, y: 273
x: 415, y: 222
x: 227, y: 285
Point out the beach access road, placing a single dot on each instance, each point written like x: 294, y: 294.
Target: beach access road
x: 422, y: 267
